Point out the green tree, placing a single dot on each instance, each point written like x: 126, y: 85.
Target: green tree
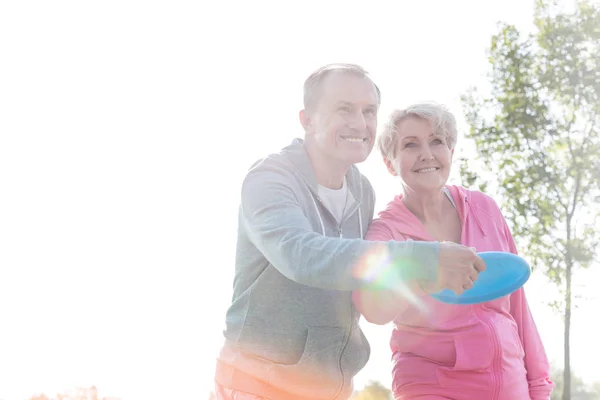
x: 373, y: 391
x: 537, y: 130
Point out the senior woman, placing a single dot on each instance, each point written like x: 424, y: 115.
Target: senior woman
x: 441, y: 351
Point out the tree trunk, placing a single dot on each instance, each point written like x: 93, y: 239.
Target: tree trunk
x: 567, y: 339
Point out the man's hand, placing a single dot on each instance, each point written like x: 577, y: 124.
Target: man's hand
x: 458, y: 269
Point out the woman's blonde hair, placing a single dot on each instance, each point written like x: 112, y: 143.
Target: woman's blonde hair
x: 441, y: 120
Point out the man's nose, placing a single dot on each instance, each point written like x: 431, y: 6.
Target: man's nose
x: 357, y: 121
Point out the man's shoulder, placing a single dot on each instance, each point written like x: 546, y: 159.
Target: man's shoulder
x: 276, y: 162
x: 282, y: 160
x: 275, y: 169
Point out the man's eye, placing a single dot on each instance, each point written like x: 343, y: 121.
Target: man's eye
x: 369, y: 111
x: 344, y: 109
x: 438, y: 141
x: 411, y: 144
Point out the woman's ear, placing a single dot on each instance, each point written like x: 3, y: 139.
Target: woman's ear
x: 390, y: 167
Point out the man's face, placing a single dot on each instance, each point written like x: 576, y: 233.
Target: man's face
x: 343, y: 121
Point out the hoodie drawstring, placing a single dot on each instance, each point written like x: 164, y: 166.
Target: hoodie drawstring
x: 360, y: 226
x: 319, y: 215
x: 479, y: 224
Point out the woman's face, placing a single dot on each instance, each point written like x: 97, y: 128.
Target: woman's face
x: 422, y: 157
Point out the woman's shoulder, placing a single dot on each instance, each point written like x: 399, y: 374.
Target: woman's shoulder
x: 385, y: 225
x: 474, y: 197
x: 482, y: 203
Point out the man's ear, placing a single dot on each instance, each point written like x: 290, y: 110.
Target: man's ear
x: 390, y: 167
x: 306, y: 121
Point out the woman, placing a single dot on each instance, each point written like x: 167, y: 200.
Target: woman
x: 442, y: 351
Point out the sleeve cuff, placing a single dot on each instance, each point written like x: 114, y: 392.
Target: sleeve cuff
x: 417, y: 261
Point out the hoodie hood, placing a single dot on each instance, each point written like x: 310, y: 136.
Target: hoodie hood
x: 409, y: 225
x: 295, y: 154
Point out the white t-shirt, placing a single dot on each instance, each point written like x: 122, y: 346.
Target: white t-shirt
x: 337, y: 201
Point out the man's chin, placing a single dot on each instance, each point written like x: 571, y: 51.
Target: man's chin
x: 357, y: 158
x: 353, y: 156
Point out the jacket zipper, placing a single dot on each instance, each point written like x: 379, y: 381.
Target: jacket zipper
x: 342, y: 380
x: 495, y: 375
x: 344, y: 218
x: 340, y: 233
x: 347, y: 339
x: 339, y: 229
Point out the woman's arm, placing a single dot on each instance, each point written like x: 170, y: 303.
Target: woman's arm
x: 378, y: 302
x: 536, y: 361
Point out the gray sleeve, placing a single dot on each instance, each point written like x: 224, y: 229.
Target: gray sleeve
x: 277, y: 226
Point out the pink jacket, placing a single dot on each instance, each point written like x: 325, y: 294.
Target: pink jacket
x: 484, y: 351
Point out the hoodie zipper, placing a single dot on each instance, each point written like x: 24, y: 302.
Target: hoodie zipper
x: 345, y: 218
x: 347, y: 339
x: 480, y: 315
x: 496, y: 367
x: 339, y: 230
x: 301, y: 166
x: 496, y: 376
x: 340, y: 233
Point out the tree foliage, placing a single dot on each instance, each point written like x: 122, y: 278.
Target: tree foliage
x: 373, y: 391
x: 538, y: 132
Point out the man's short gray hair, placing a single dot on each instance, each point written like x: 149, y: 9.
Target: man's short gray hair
x: 312, y: 85
x: 441, y: 119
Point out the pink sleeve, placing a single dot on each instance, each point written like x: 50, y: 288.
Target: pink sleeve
x: 536, y: 361
x: 379, y: 231
x: 382, y: 306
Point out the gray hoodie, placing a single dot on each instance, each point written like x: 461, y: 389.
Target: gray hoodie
x: 292, y: 331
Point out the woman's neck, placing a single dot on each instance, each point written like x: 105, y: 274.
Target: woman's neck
x: 426, y: 206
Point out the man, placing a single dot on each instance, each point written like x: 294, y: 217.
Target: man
x: 292, y: 331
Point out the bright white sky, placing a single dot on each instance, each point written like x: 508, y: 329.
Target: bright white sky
x: 126, y: 128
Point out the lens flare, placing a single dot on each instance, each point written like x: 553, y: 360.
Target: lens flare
x: 384, y: 272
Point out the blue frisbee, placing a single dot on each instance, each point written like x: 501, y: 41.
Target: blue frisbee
x: 504, y: 273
